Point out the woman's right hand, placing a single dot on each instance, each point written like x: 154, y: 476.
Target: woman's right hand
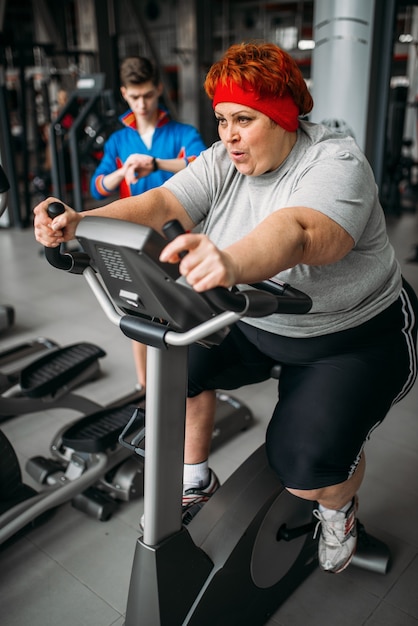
x: 52, y: 232
x: 204, y: 266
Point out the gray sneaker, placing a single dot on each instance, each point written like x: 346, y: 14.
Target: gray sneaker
x: 338, y: 540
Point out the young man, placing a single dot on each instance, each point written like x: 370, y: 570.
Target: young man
x: 148, y: 150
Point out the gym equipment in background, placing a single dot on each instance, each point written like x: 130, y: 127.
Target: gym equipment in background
x: 7, y: 313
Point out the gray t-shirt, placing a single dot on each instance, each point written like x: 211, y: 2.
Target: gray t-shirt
x: 324, y: 171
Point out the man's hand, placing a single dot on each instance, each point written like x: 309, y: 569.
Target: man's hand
x: 137, y: 166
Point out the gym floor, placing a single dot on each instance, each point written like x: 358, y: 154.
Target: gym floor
x: 75, y: 570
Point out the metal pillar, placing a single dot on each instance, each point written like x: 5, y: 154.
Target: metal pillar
x: 188, y: 62
x: 411, y: 121
x: 341, y: 62
x: 379, y: 86
x: 195, y: 56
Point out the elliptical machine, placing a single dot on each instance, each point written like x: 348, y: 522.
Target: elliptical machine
x: 251, y: 545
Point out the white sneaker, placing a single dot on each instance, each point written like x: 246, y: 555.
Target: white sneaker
x: 338, y: 540
x: 194, y: 499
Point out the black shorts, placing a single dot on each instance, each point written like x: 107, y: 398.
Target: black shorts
x: 333, y: 390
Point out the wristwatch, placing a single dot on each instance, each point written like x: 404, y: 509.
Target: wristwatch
x: 154, y: 164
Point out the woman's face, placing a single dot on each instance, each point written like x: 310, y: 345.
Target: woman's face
x: 255, y: 143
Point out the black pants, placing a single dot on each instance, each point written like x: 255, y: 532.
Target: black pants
x: 333, y: 390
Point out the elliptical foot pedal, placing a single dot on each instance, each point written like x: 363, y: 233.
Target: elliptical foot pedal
x: 59, y: 368
x: 100, y: 431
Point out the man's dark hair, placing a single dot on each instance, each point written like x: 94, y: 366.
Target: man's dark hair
x: 138, y: 70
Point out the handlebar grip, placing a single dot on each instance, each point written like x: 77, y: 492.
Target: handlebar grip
x: 55, y: 208
x: 173, y: 229
x: 53, y: 255
x: 74, y: 262
x: 220, y: 297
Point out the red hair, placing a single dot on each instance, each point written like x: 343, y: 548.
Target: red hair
x: 267, y: 69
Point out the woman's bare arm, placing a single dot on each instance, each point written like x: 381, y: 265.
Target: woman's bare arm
x: 152, y: 208
x: 284, y: 239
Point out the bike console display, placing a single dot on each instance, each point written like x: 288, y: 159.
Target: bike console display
x: 127, y: 258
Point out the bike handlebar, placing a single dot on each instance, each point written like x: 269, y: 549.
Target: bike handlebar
x: 74, y: 262
x: 263, y: 299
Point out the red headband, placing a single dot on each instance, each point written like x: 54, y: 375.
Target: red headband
x: 281, y: 109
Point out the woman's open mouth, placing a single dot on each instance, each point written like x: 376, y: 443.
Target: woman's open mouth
x: 237, y: 155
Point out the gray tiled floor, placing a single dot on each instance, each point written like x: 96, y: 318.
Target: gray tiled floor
x: 74, y: 570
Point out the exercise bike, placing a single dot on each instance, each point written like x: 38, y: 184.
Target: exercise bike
x: 252, y: 544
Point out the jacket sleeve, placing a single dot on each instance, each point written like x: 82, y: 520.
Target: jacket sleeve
x: 108, y: 164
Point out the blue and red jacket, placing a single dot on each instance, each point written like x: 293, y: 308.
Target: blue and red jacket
x: 171, y: 140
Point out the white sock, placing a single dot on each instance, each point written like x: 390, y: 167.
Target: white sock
x: 330, y: 512
x: 196, y: 475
